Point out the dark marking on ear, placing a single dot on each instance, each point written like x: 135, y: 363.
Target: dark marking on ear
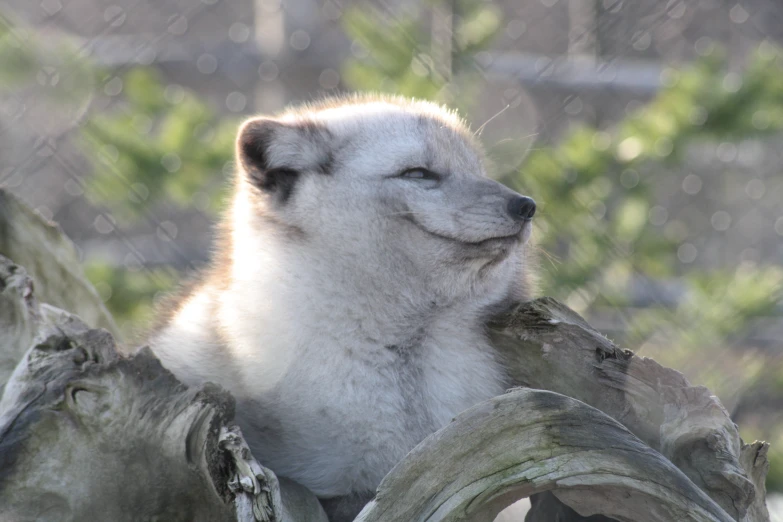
x: 278, y: 181
x: 253, y: 143
x: 299, y: 140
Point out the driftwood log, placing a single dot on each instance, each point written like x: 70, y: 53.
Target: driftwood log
x: 529, y: 441
x: 86, y: 434
x: 547, y: 346
x: 593, y: 433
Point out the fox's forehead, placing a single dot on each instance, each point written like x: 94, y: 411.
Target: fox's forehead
x: 398, y: 135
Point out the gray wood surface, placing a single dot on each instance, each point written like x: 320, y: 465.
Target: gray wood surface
x: 548, y: 346
x: 88, y: 434
x: 528, y: 441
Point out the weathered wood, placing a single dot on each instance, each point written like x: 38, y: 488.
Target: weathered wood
x: 18, y: 316
x: 754, y: 461
x: 548, y: 346
x: 529, y: 441
x: 51, y: 259
x: 86, y: 434
x: 256, y: 488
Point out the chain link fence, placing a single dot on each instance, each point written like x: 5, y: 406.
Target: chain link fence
x: 648, y: 131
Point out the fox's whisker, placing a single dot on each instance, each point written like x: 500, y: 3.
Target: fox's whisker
x: 501, y: 111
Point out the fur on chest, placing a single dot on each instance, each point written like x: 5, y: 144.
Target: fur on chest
x: 430, y: 375
x: 342, y: 421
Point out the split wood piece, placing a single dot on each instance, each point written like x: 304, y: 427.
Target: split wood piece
x: 529, y: 441
x: 256, y: 488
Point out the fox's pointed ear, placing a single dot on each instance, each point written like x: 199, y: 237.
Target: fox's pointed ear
x: 273, y: 154
x: 257, y: 142
x: 253, y: 141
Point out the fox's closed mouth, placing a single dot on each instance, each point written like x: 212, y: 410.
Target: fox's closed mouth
x: 509, y: 238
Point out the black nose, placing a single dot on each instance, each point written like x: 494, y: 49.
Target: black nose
x: 522, y: 208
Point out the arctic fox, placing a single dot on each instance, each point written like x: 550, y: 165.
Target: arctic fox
x: 345, y: 303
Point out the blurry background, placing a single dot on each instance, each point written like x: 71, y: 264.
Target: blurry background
x: 650, y: 132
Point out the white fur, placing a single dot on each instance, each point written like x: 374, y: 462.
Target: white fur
x: 345, y: 347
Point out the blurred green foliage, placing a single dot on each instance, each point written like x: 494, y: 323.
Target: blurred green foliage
x: 597, y: 190
x: 399, y: 57
x: 18, y: 63
x: 21, y: 65
x: 129, y: 293
x: 157, y: 143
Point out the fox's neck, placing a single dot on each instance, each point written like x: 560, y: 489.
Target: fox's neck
x: 322, y: 292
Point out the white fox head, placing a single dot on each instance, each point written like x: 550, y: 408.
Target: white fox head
x: 386, y: 185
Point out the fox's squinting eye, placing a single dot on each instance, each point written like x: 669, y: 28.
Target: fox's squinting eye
x: 420, y: 173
